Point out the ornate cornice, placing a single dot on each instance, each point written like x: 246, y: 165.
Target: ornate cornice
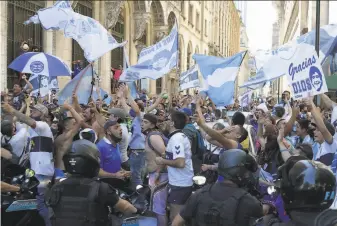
x: 112, y: 11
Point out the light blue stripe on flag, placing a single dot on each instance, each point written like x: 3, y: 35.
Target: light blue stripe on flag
x: 219, y: 76
x: 81, y: 84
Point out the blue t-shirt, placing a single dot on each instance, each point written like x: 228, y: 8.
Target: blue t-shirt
x: 137, y: 140
x: 220, y: 178
x: 110, y: 156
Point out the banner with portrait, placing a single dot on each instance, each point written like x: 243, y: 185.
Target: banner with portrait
x: 305, y: 74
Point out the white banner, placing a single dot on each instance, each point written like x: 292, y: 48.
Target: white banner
x: 189, y: 79
x: 245, y: 98
x: 305, y: 74
x: 155, y: 61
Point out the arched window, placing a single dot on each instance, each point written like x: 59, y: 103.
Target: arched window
x: 84, y: 8
x: 17, y: 32
x: 118, y: 33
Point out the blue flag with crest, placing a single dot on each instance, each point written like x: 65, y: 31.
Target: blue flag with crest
x: 155, y: 61
x: 219, y: 76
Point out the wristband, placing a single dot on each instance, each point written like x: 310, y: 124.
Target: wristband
x: 59, y: 173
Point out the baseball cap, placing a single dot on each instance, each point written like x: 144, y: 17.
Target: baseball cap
x: 41, y: 108
x: 109, y: 123
x: 187, y: 111
x: 151, y: 118
x: 120, y: 113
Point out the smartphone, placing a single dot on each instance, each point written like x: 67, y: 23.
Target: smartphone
x: 2, y: 98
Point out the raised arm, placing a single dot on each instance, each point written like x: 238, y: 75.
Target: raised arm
x: 78, y: 118
x: 225, y: 142
x: 320, y: 123
x: 153, y: 106
x: 20, y: 117
x: 327, y: 101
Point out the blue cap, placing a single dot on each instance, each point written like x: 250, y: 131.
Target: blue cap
x: 187, y: 111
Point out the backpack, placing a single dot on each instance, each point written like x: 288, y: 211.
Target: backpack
x: 165, y: 139
x: 210, y: 211
x: 198, y: 147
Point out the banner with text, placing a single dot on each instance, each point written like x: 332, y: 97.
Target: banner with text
x: 189, y: 79
x: 245, y: 98
x: 305, y: 74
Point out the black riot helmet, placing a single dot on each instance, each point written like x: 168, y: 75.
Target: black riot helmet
x: 83, y: 159
x: 239, y: 167
x: 306, y: 185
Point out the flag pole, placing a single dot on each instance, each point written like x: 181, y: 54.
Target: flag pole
x: 92, y: 81
x: 318, y: 20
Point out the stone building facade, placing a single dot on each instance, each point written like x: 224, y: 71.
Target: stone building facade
x: 205, y: 27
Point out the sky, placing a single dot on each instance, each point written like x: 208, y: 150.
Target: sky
x: 260, y: 17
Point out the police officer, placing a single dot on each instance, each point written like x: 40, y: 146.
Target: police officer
x: 80, y: 199
x: 225, y: 203
x: 307, y: 188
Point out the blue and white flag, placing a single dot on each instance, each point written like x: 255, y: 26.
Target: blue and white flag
x: 272, y: 64
x: 102, y: 95
x: 43, y: 86
x: 132, y: 85
x: 219, y: 76
x: 93, y: 38
x: 245, y: 98
x: 81, y: 85
x: 40, y: 84
x: 190, y: 78
x: 155, y: 61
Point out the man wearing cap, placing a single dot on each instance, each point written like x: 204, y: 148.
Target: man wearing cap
x: 110, y: 160
x: 41, y: 151
x: 158, y: 177
x: 120, y: 115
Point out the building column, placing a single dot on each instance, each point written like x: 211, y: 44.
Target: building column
x: 104, y: 66
x: 3, y: 41
x: 48, y: 35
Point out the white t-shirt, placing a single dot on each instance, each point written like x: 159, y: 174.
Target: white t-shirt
x: 42, y: 162
x: 326, y: 148
x: 179, y: 146
x: 123, y: 145
x: 20, y: 140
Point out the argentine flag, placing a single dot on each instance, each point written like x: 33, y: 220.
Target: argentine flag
x: 219, y: 76
x: 102, y: 94
x: 81, y: 85
x: 155, y: 61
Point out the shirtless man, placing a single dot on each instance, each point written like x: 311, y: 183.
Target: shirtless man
x: 94, y: 120
x: 63, y: 141
x: 158, y: 178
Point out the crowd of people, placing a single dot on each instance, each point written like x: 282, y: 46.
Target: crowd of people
x: 164, y: 141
